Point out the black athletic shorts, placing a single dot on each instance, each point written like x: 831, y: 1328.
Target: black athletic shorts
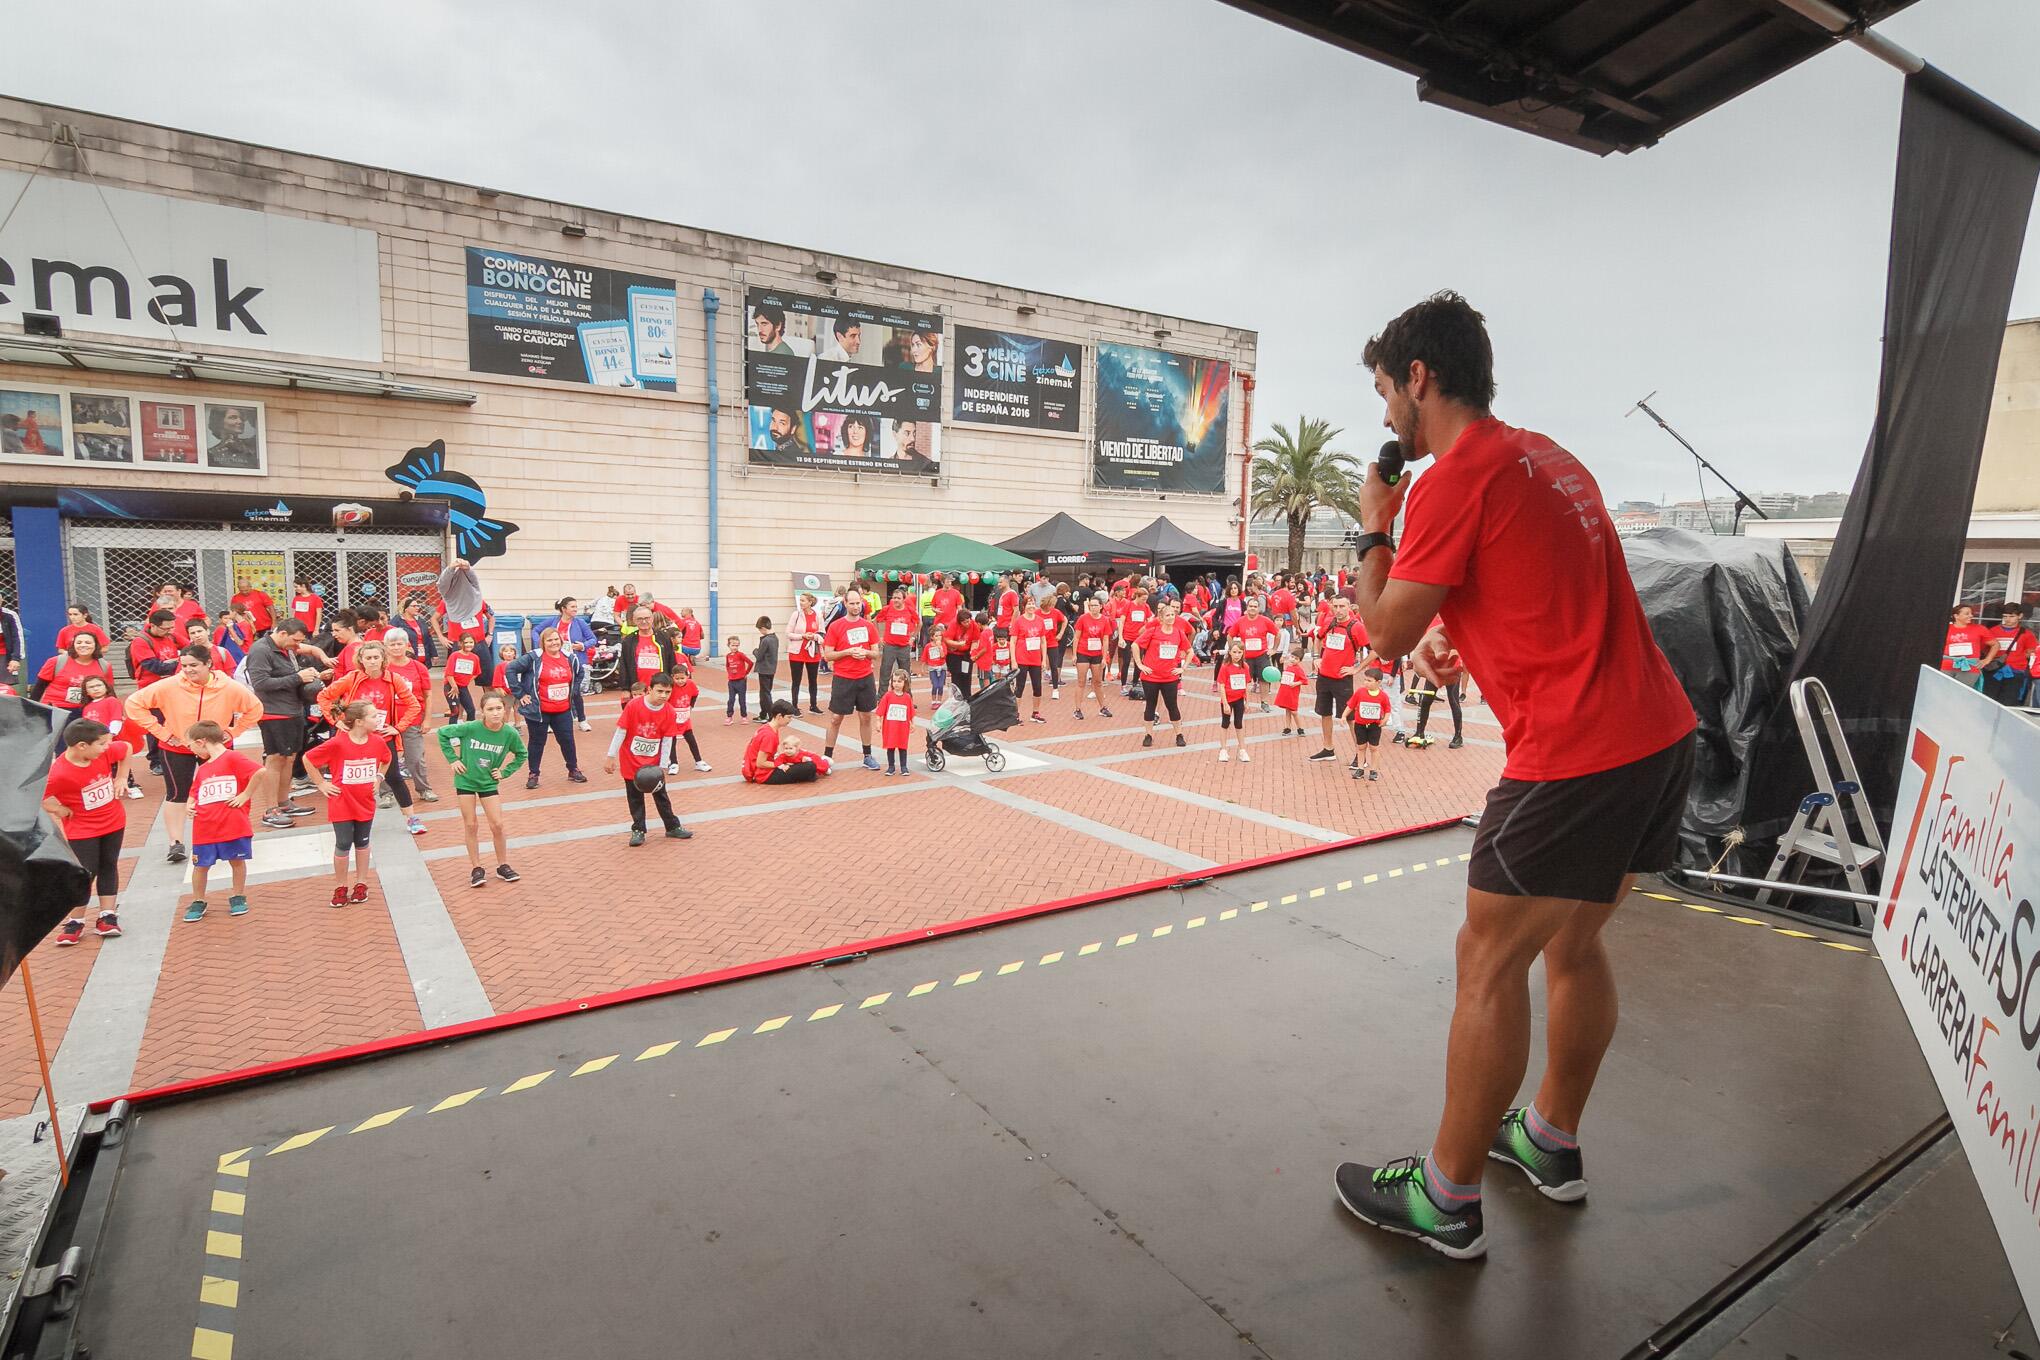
x: 282, y: 736
x: 178, y: 769
x: 847, y: 695
x: 100, y: 857
x: 1367, y: 734
x: 1333, y: 694
x: 1577, y: 838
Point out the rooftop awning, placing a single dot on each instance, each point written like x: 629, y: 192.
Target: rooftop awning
x: 1601, y: 75
x: 106, y: 356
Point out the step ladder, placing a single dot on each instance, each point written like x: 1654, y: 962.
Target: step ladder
x: 1821, y: 830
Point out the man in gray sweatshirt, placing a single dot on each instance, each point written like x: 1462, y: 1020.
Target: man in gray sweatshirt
x: 280, y: 667
x: 765, y: 663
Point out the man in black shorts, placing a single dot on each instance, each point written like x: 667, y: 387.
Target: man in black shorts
x: 849, y: 646
x: 1507, y: 543
x: 279, y: 668
x: 1338, y: 653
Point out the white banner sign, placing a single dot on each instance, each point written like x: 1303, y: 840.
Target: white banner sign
x: 216, y: 277
x: 1959, y: 936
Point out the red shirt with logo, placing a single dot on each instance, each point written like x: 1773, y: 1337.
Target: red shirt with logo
x: 1258, y: 632
x: 685, y: 695
x: 1289, y: 693
x: 899, y: 625
x: 1282, y: 601
x: 462, y: 668
x: 645, y: 730
x: 935, y: 652
x: 1966, y: 642
x: 1030, y: 640
x: 1233, y: 682
x: 1540, y: 604
x: 1369, y: 705
x: 895, y: 720
x: 2015, y: 647
x: 962, y: 637
x: 758, y: 753
x: 213, y: 787
x: 66, y: 677
x: 261, y: 606
x: 992, y: 651
x: 555, y: 684
x: 690, y: 632
x: 1341, y: 649
x: 808, y: 647
x: 88, y: 793
x: 1134, y: 616
x: 737, y: 665
x: 413, y: 673
x: 947, y: 602
x: 1009, y: 607
x: 1052, y: 621
x: 848, y: 632
x: 1164, y: 650
x: 1092, y: 631
x: 306, y: 609
x: 109, y: 710
x: 146, y: 648
x: 355, y: 768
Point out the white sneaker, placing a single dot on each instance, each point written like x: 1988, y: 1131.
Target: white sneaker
x: 1054, y: 693
x: 1225, y: 755
x: 674, y: 768
x: 134, y: 790
x: 703, y: 766
x: 1245, y: 759
x: 585, y: 727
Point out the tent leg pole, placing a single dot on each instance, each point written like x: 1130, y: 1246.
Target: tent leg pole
x: 42, y: 1058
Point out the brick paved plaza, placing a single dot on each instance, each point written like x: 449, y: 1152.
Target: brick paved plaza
x: 771, y: 872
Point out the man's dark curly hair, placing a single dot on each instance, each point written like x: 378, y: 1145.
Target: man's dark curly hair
x: 1452, y: 341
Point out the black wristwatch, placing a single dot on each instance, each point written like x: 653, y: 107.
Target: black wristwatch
x: 1367, y: 543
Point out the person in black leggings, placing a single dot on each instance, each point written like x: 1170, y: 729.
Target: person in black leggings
x: 1428, y: 696
x: 812, y: 642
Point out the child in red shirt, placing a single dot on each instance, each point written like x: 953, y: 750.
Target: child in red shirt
x: 1367, y: 709
x: 737, y: 663
x: 685, y: 695
x: 347, y: 767
x: 644, y: 739
x: 463, y: 668
x: 935, y: 656
x: 220, y: 829
x: 102, y: 707
x: 1289, y: 693
x: 1233, y: 683
x: 505, y: 654
x: 798, y: 766
x: 896, y: 720
x: 82, y: 792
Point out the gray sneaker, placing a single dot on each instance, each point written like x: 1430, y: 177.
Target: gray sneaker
x: 871, y: 762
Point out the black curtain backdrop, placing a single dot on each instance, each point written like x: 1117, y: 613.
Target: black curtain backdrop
x: 1959, y: 214
x: 40, y: 880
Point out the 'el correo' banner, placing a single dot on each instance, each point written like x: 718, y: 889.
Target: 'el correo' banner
x: 847, y: 386
x: 214, y: 277
x: 1161, y: 420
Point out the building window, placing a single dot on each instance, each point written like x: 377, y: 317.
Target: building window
x: 2029, y: 592
x: 1984, y: 583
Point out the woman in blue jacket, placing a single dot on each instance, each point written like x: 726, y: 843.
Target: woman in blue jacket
x: 577, y: 639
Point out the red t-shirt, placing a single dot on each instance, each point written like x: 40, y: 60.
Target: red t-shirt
x: 758, y: 753
x: 1233, y: 682
x: 1030, y: 640
x: 947, y: 602
x: 71, y: 630
x: 355, y: 767
x: 498, y: 677
x: 899, y: 625
x: 1009, y: 607
x: 690, y: 632
x: 462, y: 668
x: 1540, y: 604
x: 645, y: 729
x: 1282, y: 601
x: 1966, y: 642
x: 1091, y: 634
x: 737, y: 665
x: 109, y: 710
x: 261, y: 606
x: 1164, y: 650
x: 146, y: 648
x: 306, y: 609
x: 991, y: 651
x: 344, y: 663
x: 2015, y: 647
x: 555, y: 684
x: 88, y: 792
x: 1133, y: 617
x: 807, y: 647
x: 650, y: 658
x: 961, y: 637
x: 380, y: 693
x: 934, y: 653
x: 1258, y: 632
x: 218, y: 781
x: 1289, y: 693
x: 186, y: 612
x: 414, y: 674
x: 1343, y: 644
x: 895, y: 720
x: 1052, y: 621
x: 456, y: 629
x: 1368, y: 707
x: 685, y: 694
x: 849, y: 632
x: 67, y: 676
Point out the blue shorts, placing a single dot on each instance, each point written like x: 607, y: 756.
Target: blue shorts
x: 205, y: 856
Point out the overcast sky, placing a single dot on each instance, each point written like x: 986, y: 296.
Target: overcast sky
x: 1175, y: 155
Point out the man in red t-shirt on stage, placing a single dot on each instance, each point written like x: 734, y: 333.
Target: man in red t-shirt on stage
x: 1507, y: 542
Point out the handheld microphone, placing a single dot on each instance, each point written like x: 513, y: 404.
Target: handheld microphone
x: 1390, y: 461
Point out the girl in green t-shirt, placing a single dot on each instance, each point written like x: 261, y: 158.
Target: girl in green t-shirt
x: 483, y: 753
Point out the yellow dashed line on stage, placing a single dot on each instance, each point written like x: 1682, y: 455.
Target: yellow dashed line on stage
x: 594, y: 1065
x: 1418, y: 868
x: 1748, y: 920
x: 1091, y: 948
x: 1261, y: 906
x: 1125, y: 940
x: 657, y: 1051
x: 715, y: 1038
x: 965, y: 979
x: 1345, y: 884
x: 1317, y: 892
x: 922, y: 989
x: 223, y: 1244
x: 1795, y: 934
x: 1372, y: 878
x: 1194, y: 922
x: 776, y: 1022
x: 1661, y: 897
x: 877, y: 999
x: 376, y: 1121
x: 1014, y: 967
x: 825, y: 1012
x: 1160, y: 931
x: 292, y: 1144
x: 1395, y: 873
x: 1697, y: 906
x: 1285, y: 902
x: 207, y: 1344
x: 228, y: 1202
x: 229, y: 1158
x: 1228, y: 913
x: 1052, y: 957
x: 238, y: 1169
x: 456, y: 1101
x: 526, y: 1083
x: 218, y: 1292
x: 1847, y: 948
x: 1443, y: 863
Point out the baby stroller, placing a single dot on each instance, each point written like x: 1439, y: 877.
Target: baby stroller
x: 960, y: 725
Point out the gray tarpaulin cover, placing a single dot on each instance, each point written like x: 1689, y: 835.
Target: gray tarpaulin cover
x: 1727, y: 611
x: 40, y: 880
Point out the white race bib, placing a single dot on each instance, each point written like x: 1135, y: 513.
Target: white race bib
x: 358, y: 771
x: 1254, y: 644
x: 558, y: 693
x: 1963, y: 648
x: 1370, y: 711
x: 97, y: 794
x: 1166, y: 651
x: 897, y: 630
x: 1336, y: 642
x: 895, y: 713
x: 644, y: 748
x: 856, y: 637
x: 218, y: 789
x: 1031, y: 646
x: 1236, y: 684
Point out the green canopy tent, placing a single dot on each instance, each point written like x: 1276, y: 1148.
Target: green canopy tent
x: 944, y: 552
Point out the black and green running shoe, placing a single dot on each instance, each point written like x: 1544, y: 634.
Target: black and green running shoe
x: 1557, y: 1175
x: 1392, y: 1197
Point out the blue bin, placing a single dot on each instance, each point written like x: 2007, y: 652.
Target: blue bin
x: 509, y: 628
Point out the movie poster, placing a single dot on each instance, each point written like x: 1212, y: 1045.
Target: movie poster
x: 1004, y: 378
x: 537, y: 318
x: 1161, y: 420
x: 102, y: 428
x: 847, y: 386
x: 169, y: 432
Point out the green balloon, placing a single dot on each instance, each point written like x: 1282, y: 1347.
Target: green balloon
x: 1272, y: 676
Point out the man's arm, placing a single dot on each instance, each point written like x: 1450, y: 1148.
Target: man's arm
x: 1396, y: 614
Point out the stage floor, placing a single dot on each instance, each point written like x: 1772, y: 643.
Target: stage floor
x: 1104, y: 1132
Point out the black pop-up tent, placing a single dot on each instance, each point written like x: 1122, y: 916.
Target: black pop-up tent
x: 1064, y: 541
x: 1165, y: 543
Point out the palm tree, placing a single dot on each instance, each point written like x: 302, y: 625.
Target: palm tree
x: 1298, y: 474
